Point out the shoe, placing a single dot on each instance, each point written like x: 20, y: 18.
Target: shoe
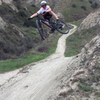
x: 62, y: 27
x: 52, y: 31
x: 57, y: 21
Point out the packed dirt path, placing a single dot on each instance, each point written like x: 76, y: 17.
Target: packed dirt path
x: 37, y: 81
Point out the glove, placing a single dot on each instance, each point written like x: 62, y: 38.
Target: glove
x: 57, y: 20
x: 29, y: 18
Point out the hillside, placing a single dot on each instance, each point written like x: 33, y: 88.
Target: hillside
x: 61, y: 78
x: 20, y: 40
x: 13, y: 41
x: 15, y: 13
x: 84, y: 82
x: 58, y: 77
x: 70, y: 10
x: 87, y: 30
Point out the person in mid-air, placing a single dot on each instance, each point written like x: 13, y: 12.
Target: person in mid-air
x: 46, y: 12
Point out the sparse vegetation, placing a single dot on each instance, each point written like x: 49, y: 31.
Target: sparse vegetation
x: 37, y: 53
x: 83, y: 7
x: 86, y: 88
x: 90, y: 2
x: 91, y: 83
x: 22, y: 50
x: 12, y: 64
x: 78, y: 40
x: 77, y: 9
x: 94, y: 6
x: 22, y: 13
x: 74, y: 5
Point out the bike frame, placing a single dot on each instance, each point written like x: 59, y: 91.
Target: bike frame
x: 60, y: 26
x: 41, y: 20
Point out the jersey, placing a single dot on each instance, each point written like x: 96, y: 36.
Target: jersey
x: 47, y: 15
x: 43, y: 10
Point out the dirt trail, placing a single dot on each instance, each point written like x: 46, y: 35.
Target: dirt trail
x: 39, y: 80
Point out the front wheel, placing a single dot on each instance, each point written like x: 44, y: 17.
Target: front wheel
x: 40, y: 29
x: 62, y: 27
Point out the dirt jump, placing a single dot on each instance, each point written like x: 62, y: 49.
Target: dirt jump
x: 39, y: 80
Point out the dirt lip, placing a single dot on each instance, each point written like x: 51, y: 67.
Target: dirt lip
x: 37, y: 81
x: 5, y: 76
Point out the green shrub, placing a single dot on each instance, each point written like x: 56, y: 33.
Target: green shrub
x: 74, y: 5
x: 94, y: 6
x: 22, y: 13
x: 82, y: 0
x: 4, y: 9
x: 83, y: 7
x: 90, y: 2
x: 29, y: 23
x: 18, y: 6
x: 85, y: 88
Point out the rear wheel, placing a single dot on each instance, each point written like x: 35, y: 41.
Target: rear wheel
x: 40, y: 29
x: 62, y: 27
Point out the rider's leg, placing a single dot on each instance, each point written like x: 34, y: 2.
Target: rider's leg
x: 51, y: 30
x: 48, y: 24
x: 48, y: 17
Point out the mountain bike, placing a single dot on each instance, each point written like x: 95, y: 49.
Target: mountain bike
x: 58, y: 25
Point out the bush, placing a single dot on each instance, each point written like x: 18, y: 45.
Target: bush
x: 12, y: 44
x: 90, y: 2
x: 22, y: 13
x: 29, y: 23
x: 94, y: 6
x: 74, y: 5
x: 18, y: 6
x: 86, y: 88
x: 82, y: 0
x: 83, y: 7
x: 4, y: 9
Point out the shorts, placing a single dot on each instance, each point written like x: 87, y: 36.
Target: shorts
x: 47, y: 16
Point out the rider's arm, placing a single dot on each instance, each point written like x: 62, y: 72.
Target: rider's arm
x: 35, y: 14
x: 48, y: 10
x: 52, y: 13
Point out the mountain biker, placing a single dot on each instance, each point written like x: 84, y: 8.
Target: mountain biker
x: 46, y: 12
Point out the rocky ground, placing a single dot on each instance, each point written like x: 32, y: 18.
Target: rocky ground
x: 91, y: 20
x: 84, y: 84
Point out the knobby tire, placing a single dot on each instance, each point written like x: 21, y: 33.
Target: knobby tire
x: 40, y: 29
x: 64, y: 30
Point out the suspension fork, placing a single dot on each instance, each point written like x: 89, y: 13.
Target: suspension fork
x: 40, y: 23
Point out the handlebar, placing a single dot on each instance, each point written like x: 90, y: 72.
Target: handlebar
x: 33, y: 17
x: 38, y: 16
x: 30, y: 18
